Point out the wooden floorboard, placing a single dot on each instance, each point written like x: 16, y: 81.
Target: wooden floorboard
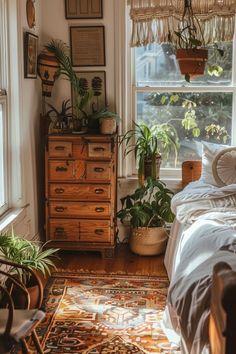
x: 124, y: 262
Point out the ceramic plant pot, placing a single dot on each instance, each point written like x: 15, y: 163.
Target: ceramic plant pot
x: 107, y: 125
x: 192, y: 61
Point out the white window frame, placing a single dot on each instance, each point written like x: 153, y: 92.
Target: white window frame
x: 5, y: 206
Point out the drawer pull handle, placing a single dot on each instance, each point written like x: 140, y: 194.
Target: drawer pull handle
x: 99, y: 191
x: 60, y: 232
x: 99, y: 149
x: 61, y: 169
x: 99, y: 210
x: 59, y: 190
x: 99, y: 169
x: 59, y: 209
x: 99, y: 231
x: 59, y: 148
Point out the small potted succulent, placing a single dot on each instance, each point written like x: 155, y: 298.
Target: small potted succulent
x: 147, y: 210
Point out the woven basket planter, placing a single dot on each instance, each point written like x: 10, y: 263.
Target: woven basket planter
x: 148, y: 241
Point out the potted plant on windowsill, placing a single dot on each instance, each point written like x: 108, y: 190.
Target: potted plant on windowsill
x: 29, y: 253
x: 148, y: 210
x: 149, y: 144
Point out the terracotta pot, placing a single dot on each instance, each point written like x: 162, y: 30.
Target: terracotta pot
x: 20, y: 299
x: 107, y: 125
x: 148, y: 241
x: 192, y: 61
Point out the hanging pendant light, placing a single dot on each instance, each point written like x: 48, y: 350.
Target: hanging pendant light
x: 48, y: 66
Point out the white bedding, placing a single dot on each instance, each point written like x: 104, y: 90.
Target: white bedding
x: 203, y: 234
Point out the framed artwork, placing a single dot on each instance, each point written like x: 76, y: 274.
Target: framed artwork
x: 96, y: 82
x: 30, y: 55
x: 83, y: 9
x: 87, y: 45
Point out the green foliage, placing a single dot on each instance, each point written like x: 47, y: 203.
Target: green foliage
x: 217, y: 133
x: 148, y: 206
x: 82, y: 96
x: 148, y: 143
x: 105, y: 113
x: 28, y: 253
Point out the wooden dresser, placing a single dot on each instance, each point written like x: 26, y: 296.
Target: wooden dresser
x: 81, y: 188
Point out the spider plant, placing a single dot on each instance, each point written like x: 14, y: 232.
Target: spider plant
x: 28, y: 253
x: 149, y: 144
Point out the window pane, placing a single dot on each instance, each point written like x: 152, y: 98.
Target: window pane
x: 2, y: 184
x: 156, y: 65
x: 195, y: 116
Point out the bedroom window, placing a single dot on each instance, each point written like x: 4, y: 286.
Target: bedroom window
x: 199, y: 110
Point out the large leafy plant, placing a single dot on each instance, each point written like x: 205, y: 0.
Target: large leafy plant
x: 28, y: 253
x: 148, y: 206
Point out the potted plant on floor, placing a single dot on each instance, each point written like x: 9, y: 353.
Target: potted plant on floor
x: 148, y: 210
x: 28, y: 253
x: 149, y: 144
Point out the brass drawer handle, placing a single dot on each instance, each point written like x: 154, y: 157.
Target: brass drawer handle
x: 99, y: 231
x: 99, y: 149
x: 59, y: 148
x: 59, y: 190
x: 99, y: 169
x: 59, y: 209
x: 99, y: 191
x: 61, y: 169
x: 100, y: 210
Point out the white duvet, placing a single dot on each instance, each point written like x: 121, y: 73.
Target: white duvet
x: 207, y: 215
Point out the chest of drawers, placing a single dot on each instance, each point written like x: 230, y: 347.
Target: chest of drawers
x: 81, y: 185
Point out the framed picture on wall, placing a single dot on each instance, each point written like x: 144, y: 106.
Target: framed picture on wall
x: 94, y: 81
x: 83, y: 9
x: 30, y: 55
x: 87, y: 45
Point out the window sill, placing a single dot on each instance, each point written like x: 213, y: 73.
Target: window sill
x: 174, y: 184
x: 11, y: 217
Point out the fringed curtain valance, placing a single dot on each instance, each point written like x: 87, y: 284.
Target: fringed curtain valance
x: 153, y: 20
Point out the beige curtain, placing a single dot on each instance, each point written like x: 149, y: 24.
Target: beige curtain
x: 152, y: 20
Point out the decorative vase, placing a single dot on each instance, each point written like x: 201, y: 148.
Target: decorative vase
x: 192, y: 61
x: 152, y: 167
x: 107, y: 125
x: 148, y: 241
x: 48, y: 66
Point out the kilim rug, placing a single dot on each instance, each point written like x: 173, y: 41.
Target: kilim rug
x: 93, y: 314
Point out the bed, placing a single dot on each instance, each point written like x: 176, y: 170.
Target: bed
x: 201, y: 258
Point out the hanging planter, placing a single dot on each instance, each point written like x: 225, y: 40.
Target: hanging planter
x: 192, y: 61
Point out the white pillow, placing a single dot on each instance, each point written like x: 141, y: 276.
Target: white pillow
x: 224, y: 167
x: 209, y: 152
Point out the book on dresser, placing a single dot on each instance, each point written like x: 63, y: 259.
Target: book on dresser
x: 81, y: 192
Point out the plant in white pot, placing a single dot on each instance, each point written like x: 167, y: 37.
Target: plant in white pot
x: 148, y: 210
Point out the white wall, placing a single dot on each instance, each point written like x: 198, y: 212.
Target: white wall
x: 56, y: 26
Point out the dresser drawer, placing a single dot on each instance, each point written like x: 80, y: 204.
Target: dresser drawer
x: 101, y: 150
x: 59, y: 149
x: 64, y: 229
x: 59, y: 170
x: 98, y: 171
x: 95, y: 231
x: 80, y: 191
x: 79, y: 209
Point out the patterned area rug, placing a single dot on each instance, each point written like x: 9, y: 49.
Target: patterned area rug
x: 93, y: 314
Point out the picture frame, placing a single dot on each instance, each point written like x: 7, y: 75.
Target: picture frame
x: 83, y: 9
x: 96, y: 81
x: 30, y: 55
x: 87, y: 44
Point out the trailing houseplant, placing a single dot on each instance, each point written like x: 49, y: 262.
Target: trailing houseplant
x: 147, y: 210
x: 149, y: 145
x: 28, y: 253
